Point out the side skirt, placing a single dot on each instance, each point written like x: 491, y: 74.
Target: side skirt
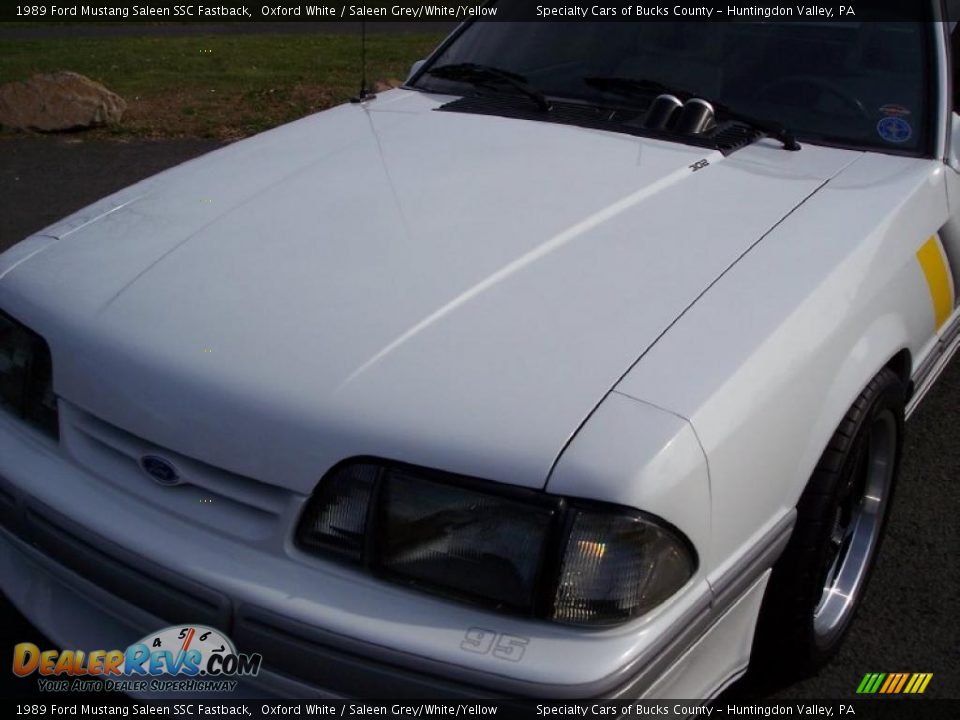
x: 934, y: 365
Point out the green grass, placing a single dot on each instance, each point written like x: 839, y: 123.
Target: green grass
x: 219, y: 86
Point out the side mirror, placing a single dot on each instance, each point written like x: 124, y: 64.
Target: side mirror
x: 954, y: 158
x: 415, y: 68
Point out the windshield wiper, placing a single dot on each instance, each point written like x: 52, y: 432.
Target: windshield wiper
x: 490, y: 76
x: 630, y: 87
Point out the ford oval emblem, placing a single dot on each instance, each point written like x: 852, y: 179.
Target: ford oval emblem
x: 160, y: 470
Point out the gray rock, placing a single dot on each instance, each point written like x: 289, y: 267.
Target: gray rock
x: 58, y: 101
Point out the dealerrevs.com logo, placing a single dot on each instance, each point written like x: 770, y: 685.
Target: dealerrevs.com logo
x: 178, y: 658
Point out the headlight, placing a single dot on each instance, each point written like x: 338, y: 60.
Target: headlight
x: 512, y: 549
x: 26, y: 381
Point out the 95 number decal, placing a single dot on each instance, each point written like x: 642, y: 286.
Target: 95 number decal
x: 502, y: 646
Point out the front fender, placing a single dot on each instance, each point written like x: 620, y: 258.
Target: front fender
x: 635, y: 454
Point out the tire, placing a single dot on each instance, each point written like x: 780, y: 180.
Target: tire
x: 818, y: 582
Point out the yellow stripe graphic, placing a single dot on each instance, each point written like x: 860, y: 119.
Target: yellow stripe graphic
x: 926, y: 681
x: 913, y: 681
x: 934, y: 266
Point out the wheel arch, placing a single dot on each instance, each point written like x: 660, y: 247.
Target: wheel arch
x: 885, y: 343
x: 902, y: 364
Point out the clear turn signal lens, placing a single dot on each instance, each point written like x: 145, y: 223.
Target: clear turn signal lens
x: 617, y: 567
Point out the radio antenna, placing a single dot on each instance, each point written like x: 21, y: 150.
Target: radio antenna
x: 365, y: 93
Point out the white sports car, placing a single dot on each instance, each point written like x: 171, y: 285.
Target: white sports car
x: 578, y: 366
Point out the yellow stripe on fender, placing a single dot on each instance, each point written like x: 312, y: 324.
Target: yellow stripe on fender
x: 934, y: 266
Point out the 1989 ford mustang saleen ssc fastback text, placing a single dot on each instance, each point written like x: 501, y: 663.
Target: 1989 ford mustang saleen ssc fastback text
x: 578, y: 366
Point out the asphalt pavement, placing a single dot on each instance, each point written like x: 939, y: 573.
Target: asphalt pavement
x: 910, y: 618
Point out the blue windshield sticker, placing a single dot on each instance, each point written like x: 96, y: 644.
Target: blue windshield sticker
x: 894, y: 129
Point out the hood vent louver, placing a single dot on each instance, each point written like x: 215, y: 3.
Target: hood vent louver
x: 727, y: 137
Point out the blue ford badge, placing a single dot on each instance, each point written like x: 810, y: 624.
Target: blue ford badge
x: 160, y: 470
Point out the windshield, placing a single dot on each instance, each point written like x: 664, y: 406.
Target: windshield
x: 862, y: 85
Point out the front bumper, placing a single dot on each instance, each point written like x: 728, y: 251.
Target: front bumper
x: 77, y: 612
x: 95, y: 568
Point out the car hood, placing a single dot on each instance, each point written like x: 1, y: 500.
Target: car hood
x: 439, y: 288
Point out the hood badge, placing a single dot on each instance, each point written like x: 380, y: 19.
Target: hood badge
x: 162, y: 471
